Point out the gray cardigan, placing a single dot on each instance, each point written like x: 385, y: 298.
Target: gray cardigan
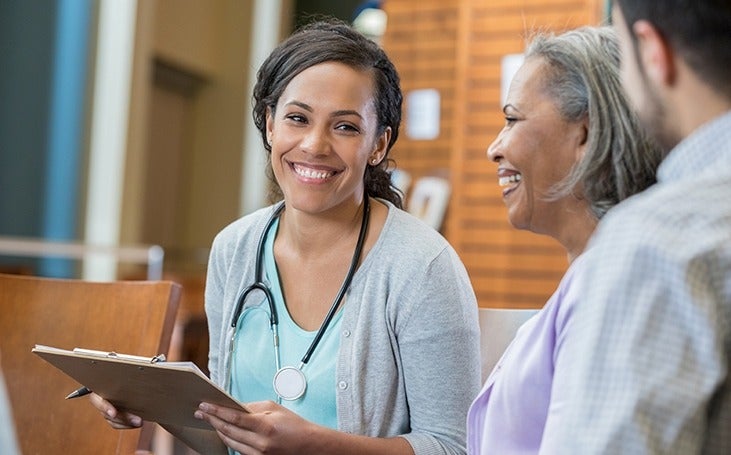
x: 409, y: 361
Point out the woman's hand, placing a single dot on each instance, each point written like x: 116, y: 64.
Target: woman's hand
x: 268, y: 428
x: 117, y: 419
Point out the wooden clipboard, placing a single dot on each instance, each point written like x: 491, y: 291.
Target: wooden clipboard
x: 164, y: 392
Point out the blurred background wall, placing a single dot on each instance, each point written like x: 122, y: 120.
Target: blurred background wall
x: 44, y: 55
x: 128, y: 123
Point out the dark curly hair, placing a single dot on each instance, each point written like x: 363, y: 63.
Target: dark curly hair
x: 334, y: 41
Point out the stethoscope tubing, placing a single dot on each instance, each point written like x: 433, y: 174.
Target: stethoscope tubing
x: 260, y: 285
x: 258, y: 276
x: 346, y: 283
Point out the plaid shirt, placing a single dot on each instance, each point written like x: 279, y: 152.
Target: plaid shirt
x: 652, y: 343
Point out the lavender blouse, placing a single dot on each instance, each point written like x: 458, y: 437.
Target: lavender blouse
x: 521, y: 401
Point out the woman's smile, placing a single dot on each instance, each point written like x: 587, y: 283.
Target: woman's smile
x: 312, y: 174
x: 509, y: 180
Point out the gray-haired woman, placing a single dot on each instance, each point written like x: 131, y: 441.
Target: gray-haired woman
x: 570, y: 150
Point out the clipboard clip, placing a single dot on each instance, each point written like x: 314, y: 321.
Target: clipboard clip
x: 158, y: 358
x: 153, y: 359
x: 113, y: 355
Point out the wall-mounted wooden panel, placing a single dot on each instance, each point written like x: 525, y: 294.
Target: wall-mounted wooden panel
x: 457, y: 47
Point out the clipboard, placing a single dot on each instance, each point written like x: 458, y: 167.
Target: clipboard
x: 167, y: 393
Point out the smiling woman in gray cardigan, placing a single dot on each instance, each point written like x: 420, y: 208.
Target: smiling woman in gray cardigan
x: 408, y: 362
x: 394, y: 369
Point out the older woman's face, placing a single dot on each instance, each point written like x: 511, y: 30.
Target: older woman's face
x: 535, y: 150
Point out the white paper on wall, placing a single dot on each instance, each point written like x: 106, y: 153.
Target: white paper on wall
x: 422, y: 108
x: 508, y: 67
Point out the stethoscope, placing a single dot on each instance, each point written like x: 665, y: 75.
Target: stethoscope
x: 290, y: 382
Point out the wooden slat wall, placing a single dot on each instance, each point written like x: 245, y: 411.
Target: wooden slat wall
x: 456, y: 47
x: 422, y: 43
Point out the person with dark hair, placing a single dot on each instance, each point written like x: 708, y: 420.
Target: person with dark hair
x: 570, y: 150
x: 653, y: 332
x: 342, y: 322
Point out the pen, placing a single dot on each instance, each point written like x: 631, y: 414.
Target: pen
x: 80, y: 392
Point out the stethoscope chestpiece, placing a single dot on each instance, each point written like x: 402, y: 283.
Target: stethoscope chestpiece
x: 290, y: 383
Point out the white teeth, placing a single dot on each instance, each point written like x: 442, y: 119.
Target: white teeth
x: 505, y: 181
x: 312, y: 173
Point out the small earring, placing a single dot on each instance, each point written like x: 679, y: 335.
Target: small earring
x: 374, y: 161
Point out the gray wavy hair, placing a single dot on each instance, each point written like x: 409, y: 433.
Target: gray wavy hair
x: 583, y: 79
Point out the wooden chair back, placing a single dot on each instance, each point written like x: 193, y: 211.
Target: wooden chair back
x: 131, y: 317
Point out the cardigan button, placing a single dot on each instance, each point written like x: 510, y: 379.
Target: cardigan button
x: 342, y: 385
x: 346, y: 333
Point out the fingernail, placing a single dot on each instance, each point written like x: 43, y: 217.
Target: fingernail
x: 204, y: 407
x: 110, y: 412
x: 136, y: 421
x: 198, y: 415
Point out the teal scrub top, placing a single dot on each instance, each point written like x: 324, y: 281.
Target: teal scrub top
x: 253, y: 362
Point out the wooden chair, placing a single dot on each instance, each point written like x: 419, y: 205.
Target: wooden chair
x: 132, y: 317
